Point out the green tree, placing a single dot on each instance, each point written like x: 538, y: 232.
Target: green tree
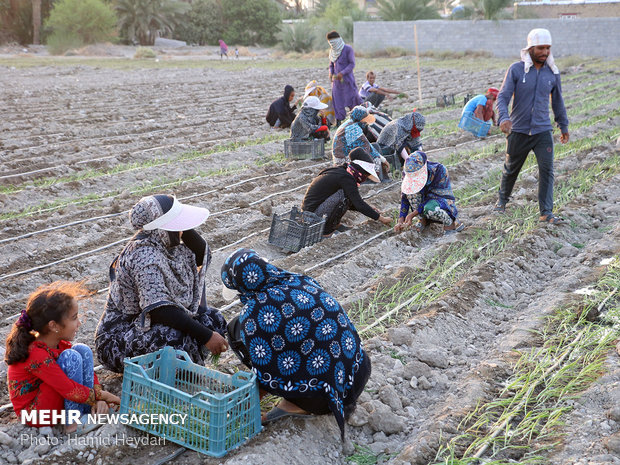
x: 250, y: 22
x: 296, y: 37
x: 17, y: 22
x: 492, y: 8
x: 203, y: 24
x: 336, y: 15
x: 87, y: 21
x: 406, y: 10
x: 142, y: 21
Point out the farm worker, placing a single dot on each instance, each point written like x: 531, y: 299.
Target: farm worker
x: 481, y: 106
x: 297, y: 338
x: 281, y: 113
x: 529, y: 83
x: 328, y: 115
x: 381, y: 120
x: 341, y: 65
x: 371, y: 92
x: 45, y: 371
x: 402, y: 135
x: 307, y: 124
x: 223, y: 49
x: 157, y: 288
x: 351, y: 134
x: 335, y: 190
x: 427, y: 192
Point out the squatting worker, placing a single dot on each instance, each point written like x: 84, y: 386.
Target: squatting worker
x: 335, y: 190
x: 529, y: 83
x: 427, y: 192
x: 308, y: 124
x: 297, y: 339
x: 157, y: 288
x: 341, y: 65
x: 281, y: 113
x: 481, y: 106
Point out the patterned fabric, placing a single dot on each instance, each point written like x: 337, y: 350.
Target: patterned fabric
x: 39, y: 382
x: 300, y: 340
x: 335, y: 48
x: 349, y: 136
x: 305, y: 123
x: 333, y: 208
x: 438, y: 188
x: 77, y: 363
x: 398, y: 132
x: 149, y: 274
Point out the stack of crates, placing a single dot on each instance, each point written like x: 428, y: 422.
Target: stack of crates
x: 222, y: 411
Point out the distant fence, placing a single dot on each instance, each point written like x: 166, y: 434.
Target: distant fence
x: 583, y: 36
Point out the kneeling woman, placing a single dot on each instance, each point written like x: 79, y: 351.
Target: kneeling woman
x: 300, y: 342
x: 157, y: 288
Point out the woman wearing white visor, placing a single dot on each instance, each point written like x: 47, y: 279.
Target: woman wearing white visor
x: 335, y: 190
x: 157, y: 288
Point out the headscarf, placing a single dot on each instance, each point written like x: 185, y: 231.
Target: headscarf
x: 538, y: 37
x: 305, y: 123
x: 335, y: 48
x: 288, y: 89
x: 300, y: 340
x: 314, y: 89
x: 163, y: 273
x: 396, y: 132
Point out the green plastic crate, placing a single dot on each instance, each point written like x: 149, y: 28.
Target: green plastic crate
x: 223, y: 411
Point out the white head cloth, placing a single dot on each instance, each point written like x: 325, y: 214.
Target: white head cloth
x: 534, y: 38
x: 335, y: 48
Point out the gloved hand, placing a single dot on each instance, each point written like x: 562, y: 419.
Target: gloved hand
x: 321, y: 128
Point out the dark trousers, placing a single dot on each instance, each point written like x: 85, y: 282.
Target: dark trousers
x: 333, y: 208
x: 375, y: 98
x: 518, y: 146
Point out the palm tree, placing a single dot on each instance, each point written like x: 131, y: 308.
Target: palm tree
x: 36, y: 21
x: 143, y: 20
x: 406, y: 10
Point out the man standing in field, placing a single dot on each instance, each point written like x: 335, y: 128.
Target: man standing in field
x: 530, y: 82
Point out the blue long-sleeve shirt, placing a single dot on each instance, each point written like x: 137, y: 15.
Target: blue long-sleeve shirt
x: 530, y: 106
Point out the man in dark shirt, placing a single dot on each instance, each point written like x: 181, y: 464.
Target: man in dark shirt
x: 335, y: 190
x: 531, y: 81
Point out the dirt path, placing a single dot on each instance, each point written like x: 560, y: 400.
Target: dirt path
x: 80, y: 144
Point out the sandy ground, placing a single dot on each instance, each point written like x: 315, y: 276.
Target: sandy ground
x: 81, y: 142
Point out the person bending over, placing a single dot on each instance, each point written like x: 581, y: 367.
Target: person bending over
x: 335, y: 190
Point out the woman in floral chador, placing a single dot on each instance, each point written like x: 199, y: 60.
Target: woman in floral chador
x: 299, y: 340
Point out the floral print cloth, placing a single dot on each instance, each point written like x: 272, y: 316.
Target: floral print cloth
x: 437, y: 188
x: 301, y: 341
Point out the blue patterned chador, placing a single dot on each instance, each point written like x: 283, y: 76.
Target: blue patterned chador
x: 300, y: 340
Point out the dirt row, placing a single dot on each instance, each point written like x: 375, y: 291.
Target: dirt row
x: 428, y: 371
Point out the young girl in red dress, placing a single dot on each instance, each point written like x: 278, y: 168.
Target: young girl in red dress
x: 45, y: 371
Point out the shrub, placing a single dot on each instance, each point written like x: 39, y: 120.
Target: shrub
x: 60, y: 42
x: 406, y: 10
x: 80, y: 21
x: 296, y: 37
x: 144, y: 52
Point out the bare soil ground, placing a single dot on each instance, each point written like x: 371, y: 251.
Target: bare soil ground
x: 82, y: 139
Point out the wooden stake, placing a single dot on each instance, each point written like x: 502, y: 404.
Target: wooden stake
x: 417, y: 57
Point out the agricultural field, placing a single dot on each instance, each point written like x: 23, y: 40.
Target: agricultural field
x: 495, y: 345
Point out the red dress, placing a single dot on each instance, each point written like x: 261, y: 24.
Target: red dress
x: 38, y: 383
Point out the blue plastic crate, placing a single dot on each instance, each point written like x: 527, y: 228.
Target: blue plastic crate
x: 223, y: 411
x: 474, y: 125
